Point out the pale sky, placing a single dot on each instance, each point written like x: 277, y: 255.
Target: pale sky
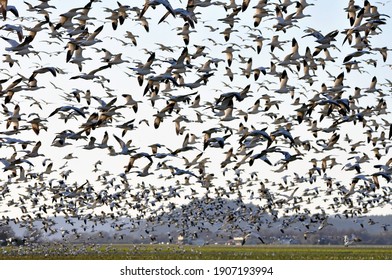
x: 324, y: 16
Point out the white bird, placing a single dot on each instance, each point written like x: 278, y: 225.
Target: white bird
x: 284, y: 88
x: 228, y: 116
x: 154, y: 3
x: 144, y: 69
x: 79, y: 111
x: 355, y: 54
x: 251, y: 234
x: 91, y: 75
x: 131, y: 36
x: 14, y: 28
x: 131, y: 102
x: 79, y: 59
x: 14, y: 118
x: 145, y: 171
x: 3, y: 8
x: 372, y: 88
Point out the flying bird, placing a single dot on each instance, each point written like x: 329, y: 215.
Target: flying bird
x: 154, y: 3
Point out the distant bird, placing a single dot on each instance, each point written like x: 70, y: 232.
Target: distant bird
x: 16, y: 46
x: 3, y: 8
x: 251, y: 234
x: 347, y: 241
x: 144, y: 69
x: 79, y: 111
x: 37, y: 124
x: 215, y: 141
x: 43, y: 70
x: 131, y: 36
x: 14, y: 28
x: 355, y: 54
x: 34, y: 152
x: 245, y: 4
x: 284, y: 88
x: 14, y: 118
x: 165, y: 100
x: 154, y: 3
x: 187, y: 14
x: 145, y: 171
x: 136, y: 156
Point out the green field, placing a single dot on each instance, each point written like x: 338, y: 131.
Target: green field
x: 212, y: 252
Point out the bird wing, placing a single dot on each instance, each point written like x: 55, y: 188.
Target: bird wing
x: 3, y: 8
x: 167, y: 5
x: 93, y: 72
x: 121, y: 142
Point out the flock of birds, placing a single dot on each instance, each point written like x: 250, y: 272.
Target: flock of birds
x: 227, y: 101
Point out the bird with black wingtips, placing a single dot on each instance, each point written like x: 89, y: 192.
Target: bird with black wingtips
x: 67, y: 108
x: 144, y: 69
x: 14, y: 28
x: 16, y: 46
x: 284, y: 88
x: 92, y: 74
x: 155, y: 3
x: 245, y: 4
x: 14, y: 118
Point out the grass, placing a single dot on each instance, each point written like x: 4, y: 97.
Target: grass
x: 212, y: 252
